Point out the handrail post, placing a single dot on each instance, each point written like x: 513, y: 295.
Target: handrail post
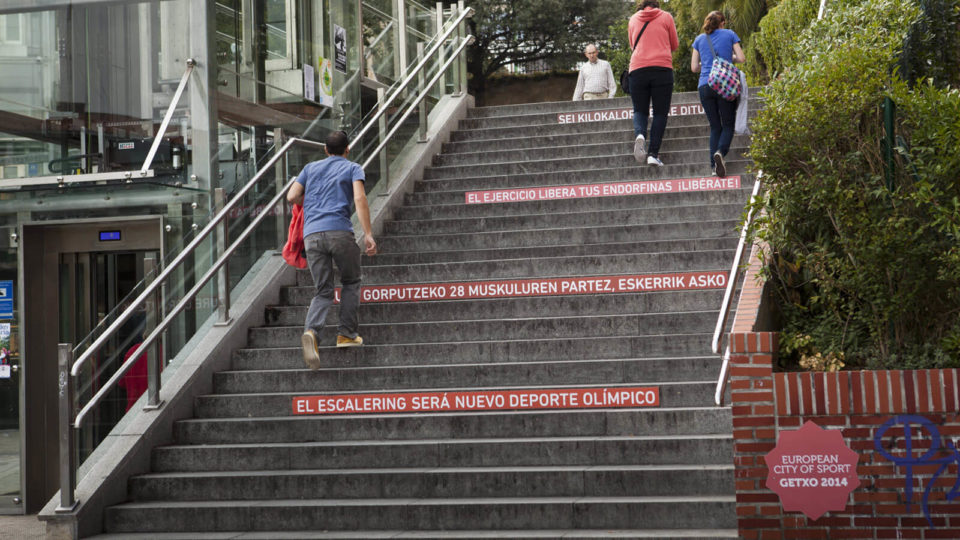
x: 223, y: 276
x: 154, y: 352
x: 381, y: 134
x: 280, y: 176
x: 422, y: 135
x: 68, y: 463
x: 462, y: 62
x: 440, y: 60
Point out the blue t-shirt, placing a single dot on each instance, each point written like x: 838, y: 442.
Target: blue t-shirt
x: 723, y: 41
x: 328, y: 194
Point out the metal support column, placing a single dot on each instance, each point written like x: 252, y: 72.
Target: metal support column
x: 422, y: 131
x: 223, y: 275
x: 68, y: 456
x: 155, y: 353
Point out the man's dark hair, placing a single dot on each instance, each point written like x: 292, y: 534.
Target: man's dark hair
x: 650, y: 3
x: 337, y: 143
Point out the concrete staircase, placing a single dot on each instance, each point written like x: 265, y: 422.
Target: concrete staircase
x: 246, y: 466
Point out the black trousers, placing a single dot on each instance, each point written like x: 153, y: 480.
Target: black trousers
x: 651, y: 84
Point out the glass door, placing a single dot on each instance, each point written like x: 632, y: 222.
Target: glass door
x: 10, y: 444
x: 92, y: 286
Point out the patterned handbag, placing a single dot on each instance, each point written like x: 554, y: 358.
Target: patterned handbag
x: 724, y: 77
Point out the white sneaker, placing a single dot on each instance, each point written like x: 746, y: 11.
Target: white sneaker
x: 639, y: 148
x: 311, y: 356
x: 651, y: 160
x: 721, y: 167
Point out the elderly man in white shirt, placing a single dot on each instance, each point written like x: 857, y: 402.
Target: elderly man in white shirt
x: 596, y: 78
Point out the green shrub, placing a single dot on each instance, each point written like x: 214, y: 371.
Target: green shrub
x: 773, y: 44
x: 871, y: 275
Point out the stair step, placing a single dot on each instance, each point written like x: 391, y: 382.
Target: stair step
x: 602, y: 173
x: 703, y: 511
x: 490, y: 452
x: 568, y: 534
x: 478, y: 255
x: 695, y: 140
x: 557, y: 423
x: 626, y: 216
x: 274, y: 396
x: 296, y: 300
x: 688, y: 114
x: 503, y: 329
x: 560, y: 236
x: 441, y: 204
x: 549, y: 125
x: 605, y: 267
x: 608, y: 158
x: 405, y: 483
x: 521, y: 350
x: 584, y: 149
x: 551, y: 373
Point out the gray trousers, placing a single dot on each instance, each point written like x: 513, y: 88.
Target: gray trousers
x: 323, y: 250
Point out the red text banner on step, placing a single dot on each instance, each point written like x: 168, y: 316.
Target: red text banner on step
x: 487, y: 400
x: 612, y: 189
x: 621, y: 114
x: 471, y: 290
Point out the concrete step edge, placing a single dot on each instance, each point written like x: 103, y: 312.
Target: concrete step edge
x: 289, y: 503
x: 679, y: 467
x: 539, y: 340
x: 451, y: 389
x: 661, y: 534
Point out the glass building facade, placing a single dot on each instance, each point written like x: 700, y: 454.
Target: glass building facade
x: 119, y: 120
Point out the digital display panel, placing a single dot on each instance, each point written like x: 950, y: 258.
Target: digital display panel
x: 109, y: 236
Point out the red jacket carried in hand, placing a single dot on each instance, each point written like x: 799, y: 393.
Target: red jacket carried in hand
x: 293, y: 250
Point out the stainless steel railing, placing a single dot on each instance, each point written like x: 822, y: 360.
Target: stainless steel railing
x: 69, y: 368
x: 732, y: 280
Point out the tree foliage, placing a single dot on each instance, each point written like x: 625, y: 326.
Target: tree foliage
x: 863, y: 272
x: 518, y: 32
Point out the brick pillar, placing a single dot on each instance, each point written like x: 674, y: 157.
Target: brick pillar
x: 754, y: 431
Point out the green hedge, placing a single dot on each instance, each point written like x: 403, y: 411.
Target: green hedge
x: 864, y: 274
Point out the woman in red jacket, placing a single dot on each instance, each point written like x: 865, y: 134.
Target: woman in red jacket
x: 651, y: 76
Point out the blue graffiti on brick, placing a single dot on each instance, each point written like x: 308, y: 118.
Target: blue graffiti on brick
x: 916, y: 425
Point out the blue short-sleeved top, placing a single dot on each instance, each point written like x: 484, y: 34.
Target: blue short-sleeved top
x: 328, y: 194
x: 723, y: 41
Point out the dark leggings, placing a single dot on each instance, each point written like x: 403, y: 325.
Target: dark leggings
x: 722, y: 115
x: 646, y: 85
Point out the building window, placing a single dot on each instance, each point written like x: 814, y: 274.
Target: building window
x: 11, y: 28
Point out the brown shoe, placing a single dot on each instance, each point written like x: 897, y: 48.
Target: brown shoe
x: 311, y: 356
x: 344, y: 341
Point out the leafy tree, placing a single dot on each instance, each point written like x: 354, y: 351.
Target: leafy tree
x: 511, y: 32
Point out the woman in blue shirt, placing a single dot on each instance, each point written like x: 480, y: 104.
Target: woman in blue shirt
x: 721, y: 113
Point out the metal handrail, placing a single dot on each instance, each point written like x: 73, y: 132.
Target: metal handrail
x: 413, y: 105
x: 156, y: 284
x: 71, y: 369
x: 732, y: 280
x: 464, y: 14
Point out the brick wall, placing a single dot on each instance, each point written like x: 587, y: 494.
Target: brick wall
x: 870, y: 408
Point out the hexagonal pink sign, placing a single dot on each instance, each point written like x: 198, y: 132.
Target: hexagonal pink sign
x: 812, y: 470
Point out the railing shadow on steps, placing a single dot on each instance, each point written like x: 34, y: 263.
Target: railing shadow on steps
x: 450, y: 51
x: 732, y: 280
